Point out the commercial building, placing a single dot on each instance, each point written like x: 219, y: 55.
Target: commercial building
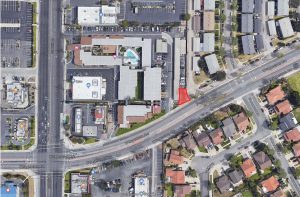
x: 89, y: 131
x: 112, y: 51
x: 282, y: 7
x: 86, y: 88
x: 286, y: 28
x: 208, y: 42
x: 22, y: 128
x: 78, y: 120
x: 80, y: 183
x: 128, y: 114
x: 161, y: 46
x: 270, y: 9
x: 248, y: 45
x: 152, y: 84
x: 196, y: 44
x: 212, y: 63
x: 196, y: 67
x: 247, y: 23
x: 209, y: 21
x: 127, y: 83
x: 196, y: 5
x: 247, y: 6
x: 9, y: 189
x: 272, y: 28
x: 17, y: 95
x: 209, y: 5
x: 90, y: 16
x: 141, y: 185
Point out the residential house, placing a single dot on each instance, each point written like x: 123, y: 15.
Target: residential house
x: 228, y: 127
x: 278, y: 193
x: 262, y: 160
x: 296, y: 149
x: 275, y: 95
x: 174, y: 158
x: 202, y: 139
x: 217, y: 136
x: 270, y: 184
x: 248, y: 45
x: 283, y: 107
x: 175, y: 176
x: 292, y: 135
x: 182, y: 190
x: 188, y: 142
x: 223, y: 183
x: 248, y: 168
x: 287, y: 122
x: 241, y: 121
x: 236, y: 177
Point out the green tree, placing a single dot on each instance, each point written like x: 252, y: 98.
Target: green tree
x: 221, y: 4
x: 125, y: 23
x: 234, y: 27
x: 234, y: 41
x: 186, y: 16
x: 297, y: 172
x: 222, y: 51
x: 220, y: 75
x: 222, y: 17
x: 234, y: 5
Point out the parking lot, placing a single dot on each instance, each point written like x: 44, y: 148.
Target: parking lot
x: 16, y: 37
x: 154, y: 12
x: 110, y: 74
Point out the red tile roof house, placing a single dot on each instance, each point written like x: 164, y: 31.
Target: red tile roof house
x: 217, y: 136
x: 241, y: 121
x: 174, y: 157
x: 292, y: 135
x: 248, y: 168
x: 275, y: 95
x: 270, y: 184
x: 202, y: 139
x: 296, y: 149
x: 182, y: 190
x: 262, y: 160
x: 175, y: 176
x: 283, y: 107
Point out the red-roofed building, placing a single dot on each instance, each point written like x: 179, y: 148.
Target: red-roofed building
x: 292, y: 135
x: 241, y: 121
x: 275, y: 95
x: 217, y: 136
x: 248, y: 168
x: 175, y: 176
x: 296, y: 149
x: 283, y: 107
x: 174, y: 158
x: 270, y: 184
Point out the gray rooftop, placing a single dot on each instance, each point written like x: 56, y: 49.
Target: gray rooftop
x: 247, y: 23
x: 195, y: 64
x: 287, y: 122
x: 196, y: 23
x: 260, y: 43
x: 271, y: 8
x: 152, y: 84
x: 208, y: 42
x: 282, y: 7
x: 248, y: 44
x: 209, y: 4
x: 228, y: 127
x: 235, y: 176
x: 161, y: 46
x: 127, y: 83
x: 286, y: 27
x: 223, y: 183
x: 258, y: 6
x: 212, y: 63
x: 247, y: 6
x: 258, y: 25
x: 272, y: 28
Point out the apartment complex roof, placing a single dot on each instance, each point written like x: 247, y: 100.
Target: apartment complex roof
x: 209, y: 21
x: 248, y: 44
x: 197, y: 4
x: 247, y: 6
x: 248, y: 168
x: 208, y: 42
x: 272, y: 28
x: 241, y: 121
x: 270, y: 184
x: 292, y: 135
x: 275, y: 95
x: 271, y: 9
x: 127, y: 83
x: 161, y: 46
x: 196, y: 60
x: 286, y: 28
x: 262, y: 160
x: 209, y: 4
x: 284, y: 107
x: 152, y: 84
x: 247, y: 23
x: 282, y: 7
x: 212, y: 63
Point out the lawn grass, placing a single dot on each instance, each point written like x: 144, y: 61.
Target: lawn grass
x: 169, y: 189
x: 27, y: 146
x: 247, y: 194
x: 32, y: 125
x: 90, y: 140
x: 4, y: 148
x: 267, y: 171
x: 297, y: 114
x: 34, y: 46
x: 202, y: 149
x: 67, y: 182
x: 255, y: 177
x: 134, y: 126
x: 294, y: 82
